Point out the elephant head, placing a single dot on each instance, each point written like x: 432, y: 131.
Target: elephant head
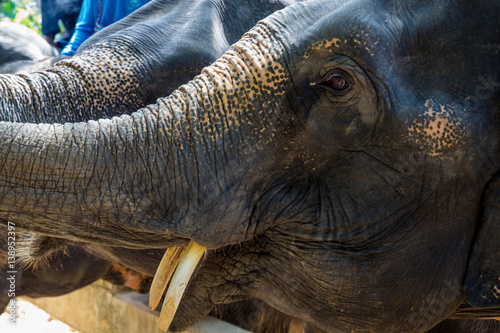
x: 334, y: 163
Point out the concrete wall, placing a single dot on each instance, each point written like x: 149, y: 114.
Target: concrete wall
x: 105, y: 308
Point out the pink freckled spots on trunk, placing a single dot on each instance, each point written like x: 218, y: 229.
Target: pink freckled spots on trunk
x: 249, y: 73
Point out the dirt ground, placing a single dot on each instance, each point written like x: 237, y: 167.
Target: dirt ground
x: 31, y: 319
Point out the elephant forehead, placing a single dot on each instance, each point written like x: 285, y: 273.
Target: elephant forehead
x: 325, y: 44
x: 359, y: 40
x: 437, y: 130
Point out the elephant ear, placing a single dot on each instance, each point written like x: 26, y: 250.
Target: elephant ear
x: 482, y: 279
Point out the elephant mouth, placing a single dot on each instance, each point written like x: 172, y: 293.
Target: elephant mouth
x: 177, y: 266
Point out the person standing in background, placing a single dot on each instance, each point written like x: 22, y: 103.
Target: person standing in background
x: 53, y: 11
x: 97, y: 14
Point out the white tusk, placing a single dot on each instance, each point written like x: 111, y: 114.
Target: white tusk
x: 180, y: 280
x: 163, y: 274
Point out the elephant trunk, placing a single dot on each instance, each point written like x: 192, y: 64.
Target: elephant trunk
x: 101, y: 82
x: 160, y: 174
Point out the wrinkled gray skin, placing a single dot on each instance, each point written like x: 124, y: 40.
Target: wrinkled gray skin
x: 334, y: 162
x: 170, y: 64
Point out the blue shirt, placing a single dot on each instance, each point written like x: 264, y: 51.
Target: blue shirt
x: 97, y: 14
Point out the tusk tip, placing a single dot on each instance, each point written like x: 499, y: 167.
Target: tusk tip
x: 152, y: 305
x: 165, y: 320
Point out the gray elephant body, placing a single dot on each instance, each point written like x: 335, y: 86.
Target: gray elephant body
x: 18, y: 42
x: 334, y: 162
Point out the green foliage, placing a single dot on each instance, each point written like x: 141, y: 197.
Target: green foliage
x: 25, y: 12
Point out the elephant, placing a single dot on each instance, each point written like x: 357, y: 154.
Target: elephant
x: 22, y: 50
x: 101, y: 262
x: 18, y: 42
x: 339, y: 162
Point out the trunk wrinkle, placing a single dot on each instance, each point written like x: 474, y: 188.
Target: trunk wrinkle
x: 158, y: 169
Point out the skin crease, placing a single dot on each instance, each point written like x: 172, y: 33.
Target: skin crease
x: 377, y: 218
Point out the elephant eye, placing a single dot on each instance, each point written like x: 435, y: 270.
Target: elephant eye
x: 338, y: 80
